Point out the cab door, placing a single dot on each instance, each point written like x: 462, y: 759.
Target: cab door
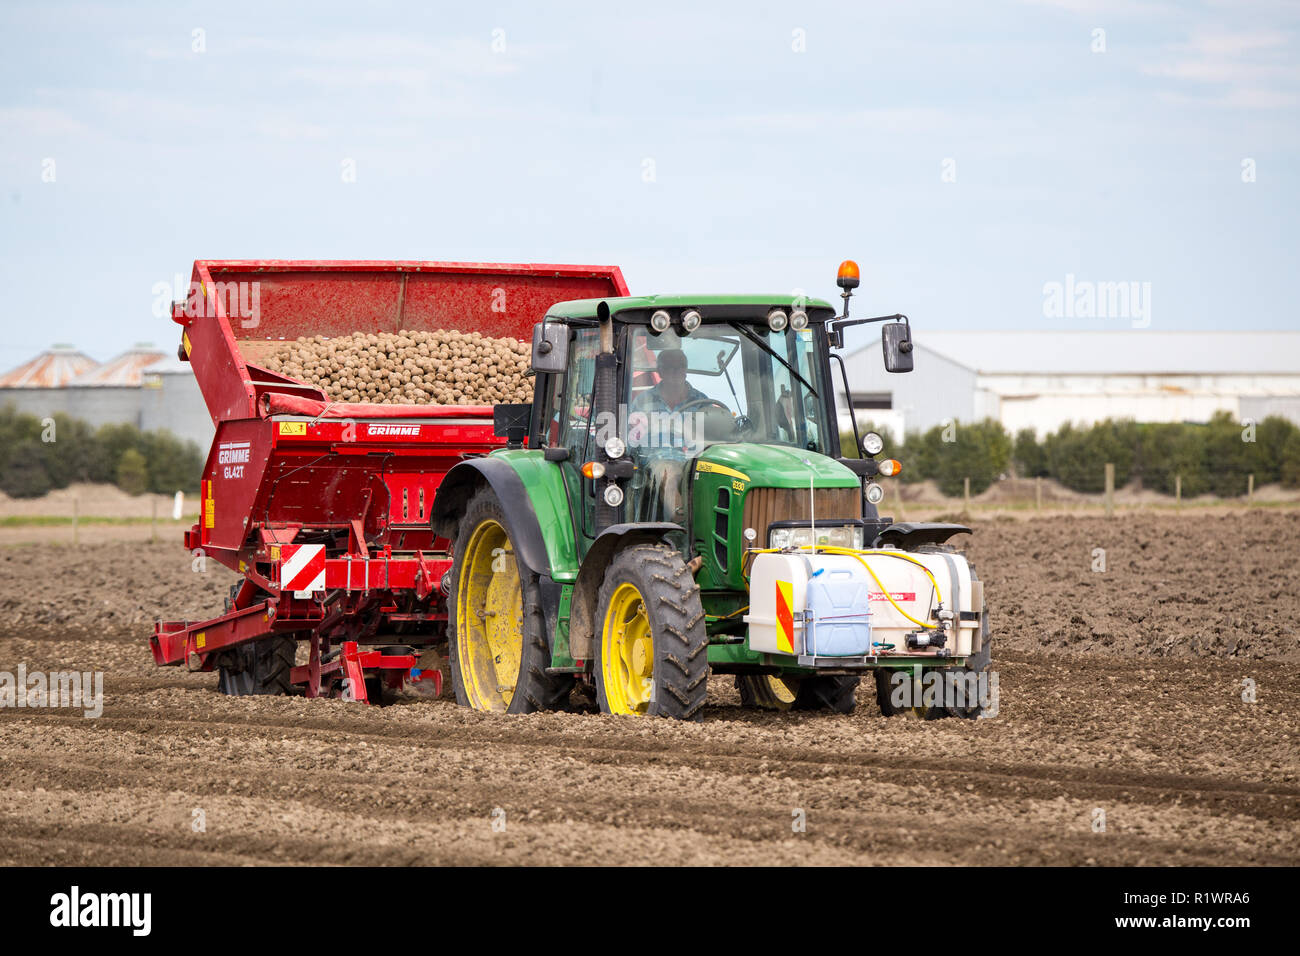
x: 566, y: 422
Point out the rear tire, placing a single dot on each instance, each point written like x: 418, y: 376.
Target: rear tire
x: 258, y: 668
x: 497, y: 649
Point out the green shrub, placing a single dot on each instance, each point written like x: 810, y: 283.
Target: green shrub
x: 1289, y: 465
x: 1271, y: 437
x: 31, y: 464
x: 1169, y: 449
x: 1077, y: 456
x: 980, y: 452
x: 1029, y: 455
x: 23, y: 473
x: 133, y: 472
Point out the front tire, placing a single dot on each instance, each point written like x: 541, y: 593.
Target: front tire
x: 885, y: 687
x: 497, y: 649
x: 773, y: 692
x: 652, y: 648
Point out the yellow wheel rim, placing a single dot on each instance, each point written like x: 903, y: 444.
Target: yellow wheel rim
x: 627, y: 653
x: 783, y: 690
x: 489, y: 619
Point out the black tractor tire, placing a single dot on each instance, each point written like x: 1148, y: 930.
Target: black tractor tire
x: 756, y: 690
x: 670, y: 601
x: 834, y: 692
x: 889, y: 709
x: 534, y: 689
x: 258, y: 667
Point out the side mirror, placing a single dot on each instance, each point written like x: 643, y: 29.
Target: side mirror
x: 896, y: 342
x: 550, y: 347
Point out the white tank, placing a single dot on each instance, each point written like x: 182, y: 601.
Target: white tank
x: 830, y: 605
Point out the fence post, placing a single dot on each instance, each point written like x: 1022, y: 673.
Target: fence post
x: 1250, y: 489
x: 1110, y: 489
x: 1038, y: 493
x: 965, y: 493
x: 1178, y: 492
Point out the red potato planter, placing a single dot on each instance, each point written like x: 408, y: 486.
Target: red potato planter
x: 322, y: 506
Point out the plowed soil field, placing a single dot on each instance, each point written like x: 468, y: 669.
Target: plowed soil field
x: 1121, y: 702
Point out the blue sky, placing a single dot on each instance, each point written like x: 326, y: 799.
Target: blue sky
x: 770, y: 165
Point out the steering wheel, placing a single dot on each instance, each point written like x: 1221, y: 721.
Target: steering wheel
x: 741, y: 424
x: 702, y: 401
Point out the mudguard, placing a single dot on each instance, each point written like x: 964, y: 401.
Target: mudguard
x: 582, y: 614
x: 910, y: 535
x: 466, y: 478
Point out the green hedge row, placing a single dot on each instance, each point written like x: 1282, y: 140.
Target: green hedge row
x: 1212, y: 458
x: 37, y: 456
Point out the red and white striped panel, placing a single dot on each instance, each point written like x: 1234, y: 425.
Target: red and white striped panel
x: 302, y: 568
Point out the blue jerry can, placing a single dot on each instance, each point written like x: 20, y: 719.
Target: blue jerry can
x: 839, y: 615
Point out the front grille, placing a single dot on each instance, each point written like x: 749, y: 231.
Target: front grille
x: 765, y: 505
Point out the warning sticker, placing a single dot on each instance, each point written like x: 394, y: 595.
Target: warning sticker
x: 293, y: 428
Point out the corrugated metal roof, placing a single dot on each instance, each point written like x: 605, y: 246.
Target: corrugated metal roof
x: 54, y: 367
x: 1133, y: 352
x: 126, y: 369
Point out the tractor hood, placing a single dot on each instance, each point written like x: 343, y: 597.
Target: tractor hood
x: 775, y: 466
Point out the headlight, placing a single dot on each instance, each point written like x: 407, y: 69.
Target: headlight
x: 615, y: 447
x: 798, y: 320
x: 660, y: 320
x: 691, y: 319
x: 777, y: 320
x: 875, y: 493
x: 613, y: 495
x: 872, y: 443
x: 835, y: 536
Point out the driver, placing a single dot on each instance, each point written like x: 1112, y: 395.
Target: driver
x: 673, y: 390
x: 671, y: 393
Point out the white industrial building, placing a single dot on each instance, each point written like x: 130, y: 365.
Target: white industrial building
x: 1041, y: 380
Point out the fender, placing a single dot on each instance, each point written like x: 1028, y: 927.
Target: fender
x: 582, y: 614
x: 465, y: 479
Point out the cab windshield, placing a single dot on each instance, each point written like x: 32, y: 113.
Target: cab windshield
x: 728, y: 382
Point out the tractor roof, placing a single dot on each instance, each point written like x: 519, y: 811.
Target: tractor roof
x: 586, y: 308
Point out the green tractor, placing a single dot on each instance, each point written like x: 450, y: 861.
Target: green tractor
x: 674, y: 502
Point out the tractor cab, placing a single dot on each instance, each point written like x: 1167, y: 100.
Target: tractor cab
x: 683, y: 374
x: 689, y: 373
